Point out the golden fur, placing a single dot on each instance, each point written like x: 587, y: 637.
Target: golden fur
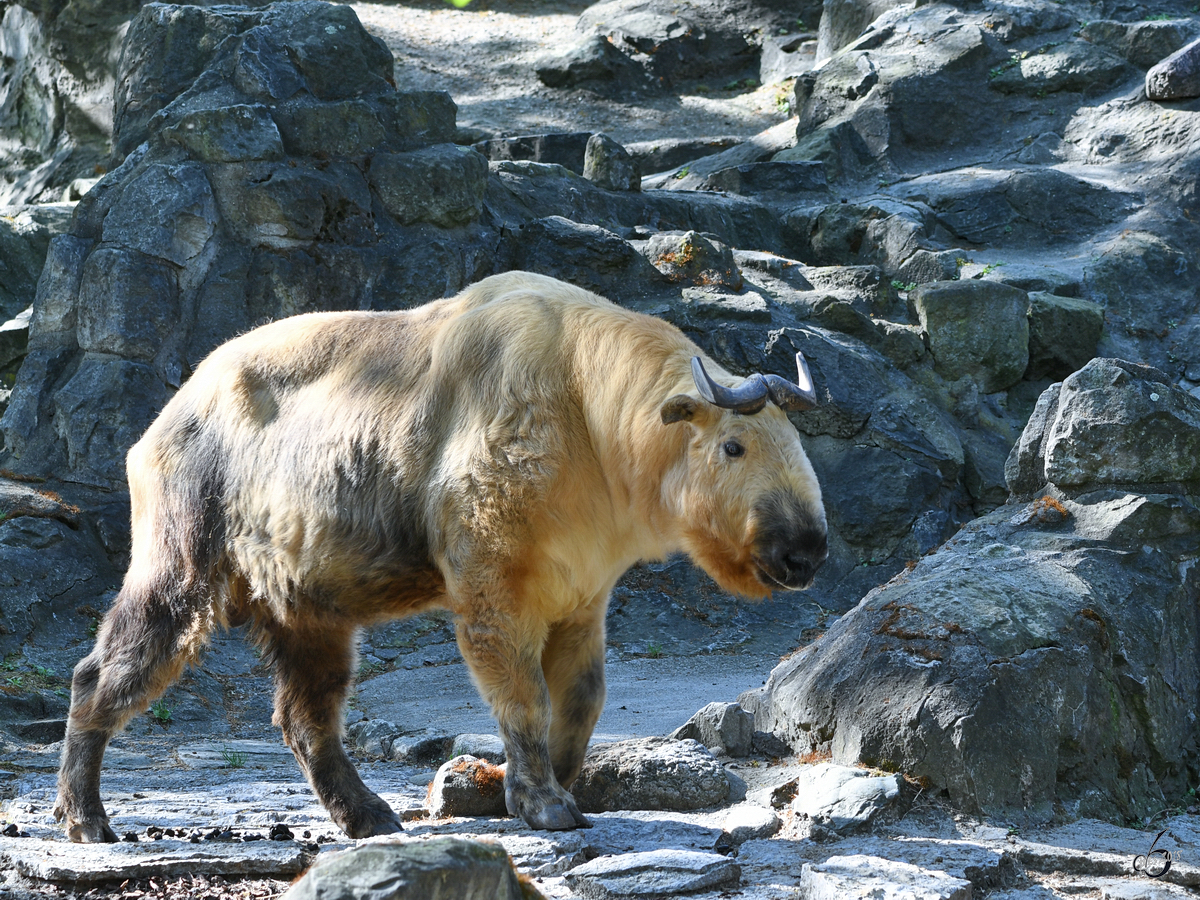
x: 501, y: 453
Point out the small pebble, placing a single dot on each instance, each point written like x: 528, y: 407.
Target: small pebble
x: 130, y: 837
x: 280, y: 832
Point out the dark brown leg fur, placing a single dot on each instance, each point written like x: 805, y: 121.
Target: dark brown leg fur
x: 573, y: 663
x: 143, y: 644
x: 312, y: 674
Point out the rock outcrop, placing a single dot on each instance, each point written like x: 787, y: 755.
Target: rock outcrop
x: 1032, y: 667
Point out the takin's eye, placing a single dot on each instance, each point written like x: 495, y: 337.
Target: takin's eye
x: 733, y: 449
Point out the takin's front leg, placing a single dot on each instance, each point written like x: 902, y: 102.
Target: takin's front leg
x: 504, y: 655
x: 573, y: 663
x: 312, y: 674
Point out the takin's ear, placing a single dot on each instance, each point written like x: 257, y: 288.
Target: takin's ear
x: 679, y: 408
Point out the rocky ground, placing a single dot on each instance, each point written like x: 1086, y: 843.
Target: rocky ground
x: 951, y: 215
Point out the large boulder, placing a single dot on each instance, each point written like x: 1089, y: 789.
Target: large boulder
x: 675, y: 42
x: 1110, y: 423
x: 1033, y: 665
x: 978, y: 329
x: 231, y: 205
x: 1177, y: 77
x: 445, y: 868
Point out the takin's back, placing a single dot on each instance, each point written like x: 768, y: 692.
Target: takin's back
x: 371, y: 453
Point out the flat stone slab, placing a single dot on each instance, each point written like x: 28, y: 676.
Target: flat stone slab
x: 861, y: 877
x: 59, y: 861
x: 653, y: 873
x: 235, y: 755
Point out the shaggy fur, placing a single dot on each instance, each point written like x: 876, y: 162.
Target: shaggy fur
x: 506, y: 454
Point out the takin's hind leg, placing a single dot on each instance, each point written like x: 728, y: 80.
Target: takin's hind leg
x: 313, y: 668
x: 504, y: 655
x: 145, y: 640
x: 573, y: 663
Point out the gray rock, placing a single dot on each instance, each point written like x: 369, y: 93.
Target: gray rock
x: 165, y: 49
x: 594, y: 64
x: 1070, y: 66
x: 887, y: 90
x: 1001, y: 655
x: 1141, y: 279
x: 61, y: 862
x: 976, y: 328
x: 747, y: 822
x: 773, y: 177
x: 230, y: 134
x: 568, y: 149
x: 1177, y: 77
x: 165, y: 211
x: 20, y: 499
x: 1063, y: 334
x: 282, y: 206
x: 871, y: 878
x: 1118, y: 422
x: 484, y: 746
x: 653, y: 873
x: 671, y: 153
x: 128, y: 304
x: 724, y: 728
x: 677, y: 42
x: 467, y: 786
x: 24, y: 243
x: 438, y: 869
x: 700, y: 303
x: 1044, y: 150
x: 837, y: 146
x: 235, y: 754
x: 1142, y: 43
x: 99, y: 413
x: 652, y: 773
x: 844, y: 20
x: 1025, y: 469
x: 786, y: 57
x: 334, y: 55
x: 443, y: 184
x: 757, y: 148
x: 842, y: 798
x: 431, y: 750
x: 587, y: 255
x: 693, y: 258
x: 14, y: 338
x: 924, y: 266
x: 54, y: 310
x: 606, y: 164
x: 374, y: 737
x: 1038, y: 207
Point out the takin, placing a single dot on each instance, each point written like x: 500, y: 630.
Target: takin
x: 506, y: 454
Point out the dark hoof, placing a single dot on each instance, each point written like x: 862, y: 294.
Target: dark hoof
x: 372, y: 821
x: 552, y: 813
x: 91, y: 833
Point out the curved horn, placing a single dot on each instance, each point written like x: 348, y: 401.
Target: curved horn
x: 793, y: 397
x: 749, y: 398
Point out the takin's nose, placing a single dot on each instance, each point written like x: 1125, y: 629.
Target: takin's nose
x: 794, y: 561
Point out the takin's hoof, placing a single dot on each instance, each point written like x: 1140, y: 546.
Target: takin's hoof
x: 91, y: 833
x: 372, y: 820
x: 551, y: 814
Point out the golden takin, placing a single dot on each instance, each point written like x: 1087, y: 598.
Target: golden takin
x: 505, y: 454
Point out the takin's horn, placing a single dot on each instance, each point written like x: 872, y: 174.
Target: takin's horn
x: 793, y: 397
x: 754, y: 392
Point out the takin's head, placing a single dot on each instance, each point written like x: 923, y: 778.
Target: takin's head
x: 747, y: 500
